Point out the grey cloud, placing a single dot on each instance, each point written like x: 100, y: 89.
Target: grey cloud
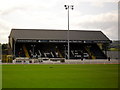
x: 108, y: 23
x: 10, y: 10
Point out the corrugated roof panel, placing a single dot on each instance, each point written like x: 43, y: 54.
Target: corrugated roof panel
x: 57, y: 34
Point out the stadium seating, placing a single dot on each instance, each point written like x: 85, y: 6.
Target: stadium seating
x: 97, y: 52
x: 77, y: 51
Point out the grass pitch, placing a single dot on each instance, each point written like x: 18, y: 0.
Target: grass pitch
x: 60, y: 76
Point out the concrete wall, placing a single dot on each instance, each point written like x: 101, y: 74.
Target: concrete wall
x: 113, y: 54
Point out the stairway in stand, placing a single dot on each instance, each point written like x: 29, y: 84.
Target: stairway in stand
x: 26, y: 52
x: 90, y: 53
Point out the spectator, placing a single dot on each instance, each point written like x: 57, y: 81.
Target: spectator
x: 81, y: 58
x: 108, y: 58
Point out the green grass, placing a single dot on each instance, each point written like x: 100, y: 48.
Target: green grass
x: 114, y: 49
x: 0, y: 76
x: 60, y: 76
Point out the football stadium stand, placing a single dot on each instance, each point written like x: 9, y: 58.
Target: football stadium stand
x: 47, y: 43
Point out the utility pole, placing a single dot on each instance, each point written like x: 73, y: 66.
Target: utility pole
x: 67, y: 7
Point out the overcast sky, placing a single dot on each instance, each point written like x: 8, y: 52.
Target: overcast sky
x: 51, y: 14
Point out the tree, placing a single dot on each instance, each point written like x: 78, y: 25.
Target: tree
x: 4, y: 46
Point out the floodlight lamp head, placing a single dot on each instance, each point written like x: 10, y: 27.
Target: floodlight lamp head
x: 65, y: 5
x: 72, y: 7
